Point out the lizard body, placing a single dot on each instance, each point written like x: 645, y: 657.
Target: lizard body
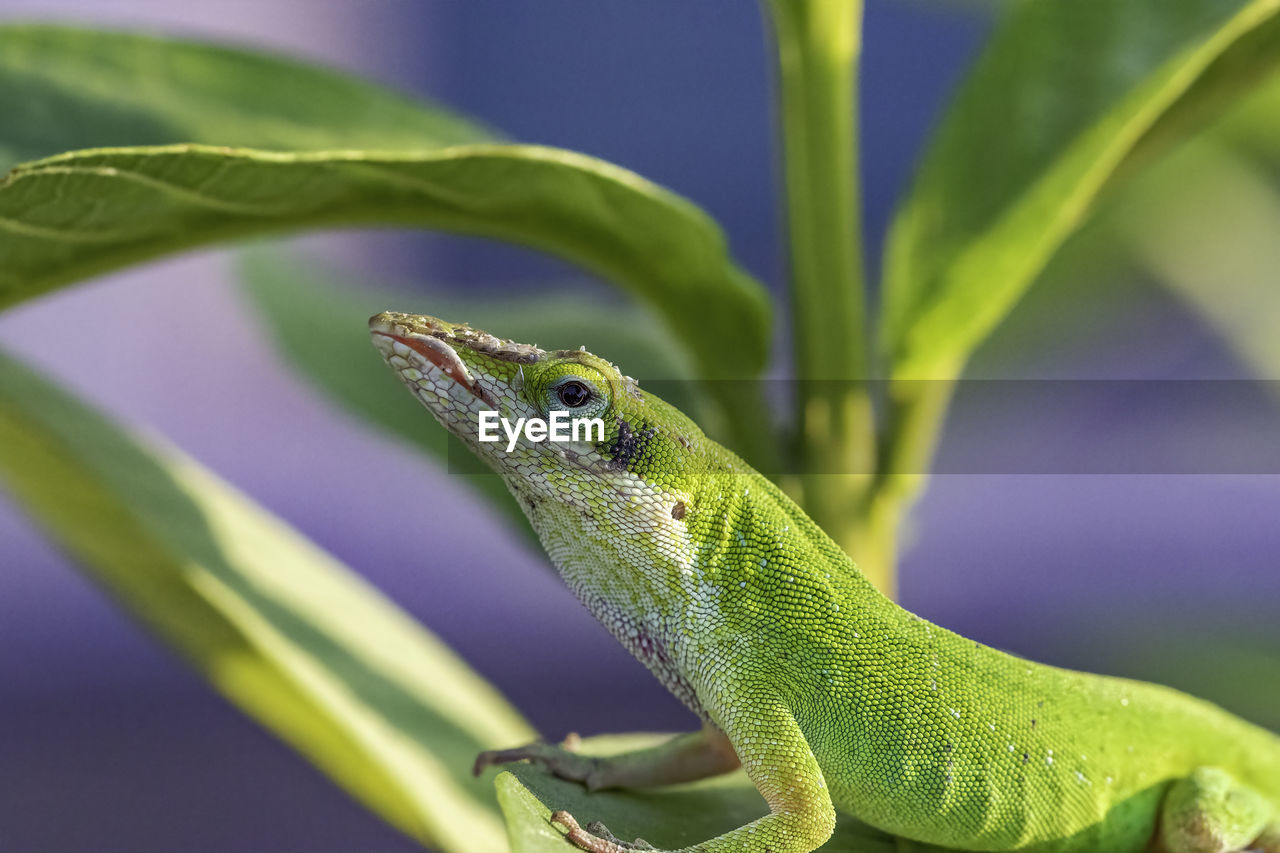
x: 828, y: 693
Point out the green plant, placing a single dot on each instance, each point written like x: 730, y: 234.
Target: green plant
x: 244, y: 144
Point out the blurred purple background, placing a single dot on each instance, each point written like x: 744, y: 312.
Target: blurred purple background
x: 108, y: 743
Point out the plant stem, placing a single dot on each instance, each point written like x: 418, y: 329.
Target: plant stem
x: 916, y: 412
x: 818, y: 42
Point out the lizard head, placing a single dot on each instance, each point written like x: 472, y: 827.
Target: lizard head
x: 609, y: 441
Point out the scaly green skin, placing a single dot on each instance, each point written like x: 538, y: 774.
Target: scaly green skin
x: 826, y: 691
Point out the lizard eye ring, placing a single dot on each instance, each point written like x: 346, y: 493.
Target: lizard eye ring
x: 574, y: 393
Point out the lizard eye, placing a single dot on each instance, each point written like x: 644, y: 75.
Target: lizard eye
x: 574, y: 390
x: 574, y: 394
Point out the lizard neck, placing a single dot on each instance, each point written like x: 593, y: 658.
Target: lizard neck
x: 738, y: 570
x: 602, y: 564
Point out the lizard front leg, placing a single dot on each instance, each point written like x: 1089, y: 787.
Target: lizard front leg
x: 684, y: 758
x: 780, y: 763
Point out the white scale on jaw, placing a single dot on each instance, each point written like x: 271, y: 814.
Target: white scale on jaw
x: 428, y: 358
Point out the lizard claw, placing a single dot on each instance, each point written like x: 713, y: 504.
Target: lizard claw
x: 598, y: 828
x: 494, y: 757
x: 561, y: 761
x: 595, y: 838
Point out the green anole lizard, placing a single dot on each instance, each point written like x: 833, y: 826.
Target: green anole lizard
x: 826, y: 692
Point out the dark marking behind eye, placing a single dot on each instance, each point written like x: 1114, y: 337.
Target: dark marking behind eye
x: 630, y: 444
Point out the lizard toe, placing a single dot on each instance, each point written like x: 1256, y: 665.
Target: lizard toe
x: 585, y: 839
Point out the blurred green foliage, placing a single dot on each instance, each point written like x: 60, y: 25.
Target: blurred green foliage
x: 1073, y: 109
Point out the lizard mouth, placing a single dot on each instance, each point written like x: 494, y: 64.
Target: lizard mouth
x: 397, y: 333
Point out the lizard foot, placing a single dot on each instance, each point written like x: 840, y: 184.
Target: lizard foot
x: 596, y: 838
x: 1269, y: 841
x: 599, y: 829
x: 1210, y: 812
x: 561, y: 761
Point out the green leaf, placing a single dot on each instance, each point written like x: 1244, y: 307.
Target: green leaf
x: 670, y: 817
x: 390, y: 161
x: 1225, y: 267
x: 63, y: 88
x: 316, y: 323
x: 279, y: 627
x: 529, y: 827
x: 1255, y: 125
x: 1067, y: 95
x: 69, y: 217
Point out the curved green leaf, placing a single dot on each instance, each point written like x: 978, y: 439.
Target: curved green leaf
x: 73, y: 216
x: 315, y: 321
x: 1255, y: 125
x: 1067, y: 95
x: 389, y: 163
x: 1225, y: 268
x: 278, y: 626
x: 63, y: 88
x: 670, y: 817
x: 529, y: 827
